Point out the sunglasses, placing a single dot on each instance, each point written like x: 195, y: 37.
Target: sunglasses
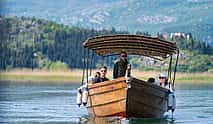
x: 162, y: 78
x: 123, y: 55
x: 103, y: 70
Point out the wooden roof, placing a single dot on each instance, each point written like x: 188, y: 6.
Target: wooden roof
x: 132, y: 44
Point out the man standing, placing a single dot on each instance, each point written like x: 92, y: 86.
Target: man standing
x: 120, y: 66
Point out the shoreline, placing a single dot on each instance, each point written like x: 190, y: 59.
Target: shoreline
x: 75, y: 75
x: 25, y: 75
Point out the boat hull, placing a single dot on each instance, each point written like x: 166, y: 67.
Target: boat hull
x: 146, y: 100
x: 135, y: 99
x: 107, y: 98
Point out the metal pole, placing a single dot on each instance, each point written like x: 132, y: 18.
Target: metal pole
x: 170, y: 69
x: 102, y: 60
x: 91, y: 64
x: 169, y: 66
x: 83, y: 68
x: 33, y: 51
x: 175, y: 68
x: 87, y: 65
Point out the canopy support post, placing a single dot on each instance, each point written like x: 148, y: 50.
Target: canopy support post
x: 84, y: 62
x: 91, y: 62
x: 103, y: 57
x: 169, y: 70
x: 175, y: 70
x: 87, y: 65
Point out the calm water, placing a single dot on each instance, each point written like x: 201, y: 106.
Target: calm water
x: 55, y: 103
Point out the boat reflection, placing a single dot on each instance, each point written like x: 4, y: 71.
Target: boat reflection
x: 119, y: 120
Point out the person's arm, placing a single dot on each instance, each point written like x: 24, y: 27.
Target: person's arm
x: 171, y: 88
x: 115, y: 70
x: 96, y: 80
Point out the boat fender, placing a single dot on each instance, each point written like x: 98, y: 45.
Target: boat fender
x: 79, y: 97
x: 85, y: 96
x: 128, y: 73
x: 171, y: 102
x: 129, y: 70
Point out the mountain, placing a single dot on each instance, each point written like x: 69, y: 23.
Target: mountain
x: 153, y: 16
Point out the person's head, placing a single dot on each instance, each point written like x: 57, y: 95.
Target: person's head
x: 151, y: 80
x: 123, y: 55
x: 97, y: 74
x: 163, y: 79
x: 103, y: 71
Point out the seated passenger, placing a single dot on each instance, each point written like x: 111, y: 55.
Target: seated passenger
x: 96, y: 77
x: 102, y: 77
x: 164, y: 82
x: 151, y: 80
x: 97, y: 74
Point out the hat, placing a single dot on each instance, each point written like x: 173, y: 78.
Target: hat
x: 162, y: 75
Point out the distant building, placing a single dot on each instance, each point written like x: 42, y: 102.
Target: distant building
x: 163, y: 35
x: 148, y: 61
x: 180, y: 35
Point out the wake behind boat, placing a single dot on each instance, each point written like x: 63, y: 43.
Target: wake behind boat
x: 128, y: 96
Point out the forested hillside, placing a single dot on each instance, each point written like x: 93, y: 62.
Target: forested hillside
x: 35, y: 43
x: 32, y: 43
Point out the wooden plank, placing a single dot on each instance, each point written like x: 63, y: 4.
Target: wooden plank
x: 123, y: 42
x: 128, y: 49
x: 105, y: 83
x: 107, y: 88
x: 109, y: 97
x: 109, y: 109
x: 148, y: 99
x: 137, y: 109
x: 139, y: 47
x: 149, y: 91
x: 129, y: 40
x: 140, y: 83
x: 129, y: 37
x: 131, y: 51
x: 113, y: 97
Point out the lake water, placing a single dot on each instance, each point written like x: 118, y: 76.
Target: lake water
x: 56, y: 103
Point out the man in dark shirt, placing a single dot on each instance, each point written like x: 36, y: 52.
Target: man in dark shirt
x: 102, y: 77
x: 120, y: 66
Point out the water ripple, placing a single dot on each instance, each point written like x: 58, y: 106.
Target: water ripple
x: 49, y: 103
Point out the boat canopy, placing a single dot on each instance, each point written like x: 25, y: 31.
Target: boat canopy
x: 133, y: 44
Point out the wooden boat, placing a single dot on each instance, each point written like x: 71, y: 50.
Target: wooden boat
x: 128, y: 96
x: 135, y: 99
